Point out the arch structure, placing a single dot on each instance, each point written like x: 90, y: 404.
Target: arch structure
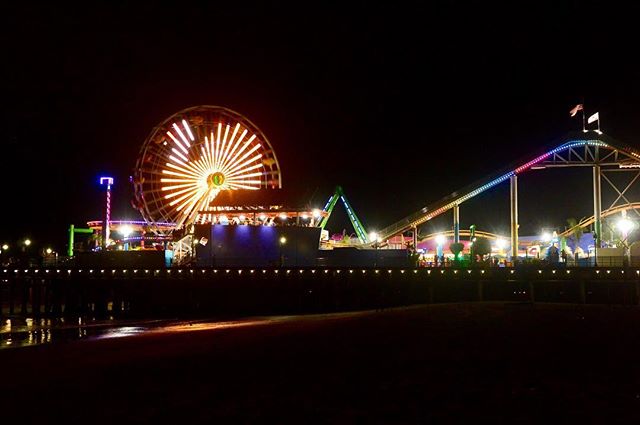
x: 589, y: 149
x: 465, y: 233
x: 588, y: 221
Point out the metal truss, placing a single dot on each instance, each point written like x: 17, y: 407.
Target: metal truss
x: 589, y: 155
x: 602, y: 153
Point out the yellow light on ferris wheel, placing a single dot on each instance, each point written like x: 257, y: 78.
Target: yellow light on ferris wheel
x: 207, y: 168
x: 190, y: 158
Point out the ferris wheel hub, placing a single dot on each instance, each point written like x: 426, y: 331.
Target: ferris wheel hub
x: 215, y: 180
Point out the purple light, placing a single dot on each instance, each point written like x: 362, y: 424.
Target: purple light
x: 109, y: 180
x: 137, y: 222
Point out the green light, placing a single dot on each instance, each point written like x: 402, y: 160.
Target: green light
x: 216, y: 179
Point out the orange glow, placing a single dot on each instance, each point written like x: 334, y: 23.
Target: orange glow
x: 228, y: 155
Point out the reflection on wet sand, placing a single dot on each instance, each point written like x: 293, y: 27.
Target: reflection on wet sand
x: 27, y: 332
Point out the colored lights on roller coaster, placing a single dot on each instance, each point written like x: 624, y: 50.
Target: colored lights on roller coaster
x: 506, y: 176
x: 316, y: 213
x: 304, y: 216
x: 374, y: 237
x: 262, y: 217
x: 241, y: 217
x: 283, y: 216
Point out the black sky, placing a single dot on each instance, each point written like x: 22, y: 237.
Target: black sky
x: 400, y: 104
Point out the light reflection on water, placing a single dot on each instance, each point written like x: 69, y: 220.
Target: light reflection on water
x: 28, y: 332
x: 19, y: 332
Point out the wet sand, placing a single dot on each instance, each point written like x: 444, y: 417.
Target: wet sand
x: 454, y: 363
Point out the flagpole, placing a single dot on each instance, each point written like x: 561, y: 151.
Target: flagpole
x: 584, y: 124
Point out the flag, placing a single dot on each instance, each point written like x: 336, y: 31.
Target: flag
x: 575, y: 110
x: 594, y: 117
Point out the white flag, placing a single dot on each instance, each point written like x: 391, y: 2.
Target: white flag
x: 594, y: 117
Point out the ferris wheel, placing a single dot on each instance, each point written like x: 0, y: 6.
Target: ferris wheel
x: 192, y: 156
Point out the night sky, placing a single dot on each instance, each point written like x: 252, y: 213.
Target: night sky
x: 401, y: 104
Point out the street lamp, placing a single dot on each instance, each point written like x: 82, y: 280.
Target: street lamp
x: 500, y: 245
x: 625, y: 226
x: 440, y: 240
x: 49, y: 251
x: 5, y: 247
x: 375, y: 238
x: 125, y: 231
x: 27, y: 242
x: 283, y: 241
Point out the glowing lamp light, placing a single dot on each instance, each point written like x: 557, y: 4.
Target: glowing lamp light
x: 546, y: 237
x: 125, y: 230
x: 241, y: 217
x: 27, y: 242
x: 283, y: 216
x: 316, y: 213
x: 263, y: 217
x: 501, y: 244
x: 49, y: 251
x: 106, y: 180
x: 5, y: 247
x: 283, y: 240
x: 625, y: 225
x: 304, y: 216
x: 441, y: 239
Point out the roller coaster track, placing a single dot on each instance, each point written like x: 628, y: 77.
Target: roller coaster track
x: 588, y: 221
x: 464, y: 233
x: 575, y: 150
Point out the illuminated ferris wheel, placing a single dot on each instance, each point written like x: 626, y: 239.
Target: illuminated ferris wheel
x: 192, y: 156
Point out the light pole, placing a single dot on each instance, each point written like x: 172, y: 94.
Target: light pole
x: 440, y: 240
x: 108, y: 181
x: 501, y: 244
x: 625, y: 226
x: 375, y: 238
x: 282, y: 241
x: 125, y: 230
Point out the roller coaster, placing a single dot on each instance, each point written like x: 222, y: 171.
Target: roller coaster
x: 585, y: 149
